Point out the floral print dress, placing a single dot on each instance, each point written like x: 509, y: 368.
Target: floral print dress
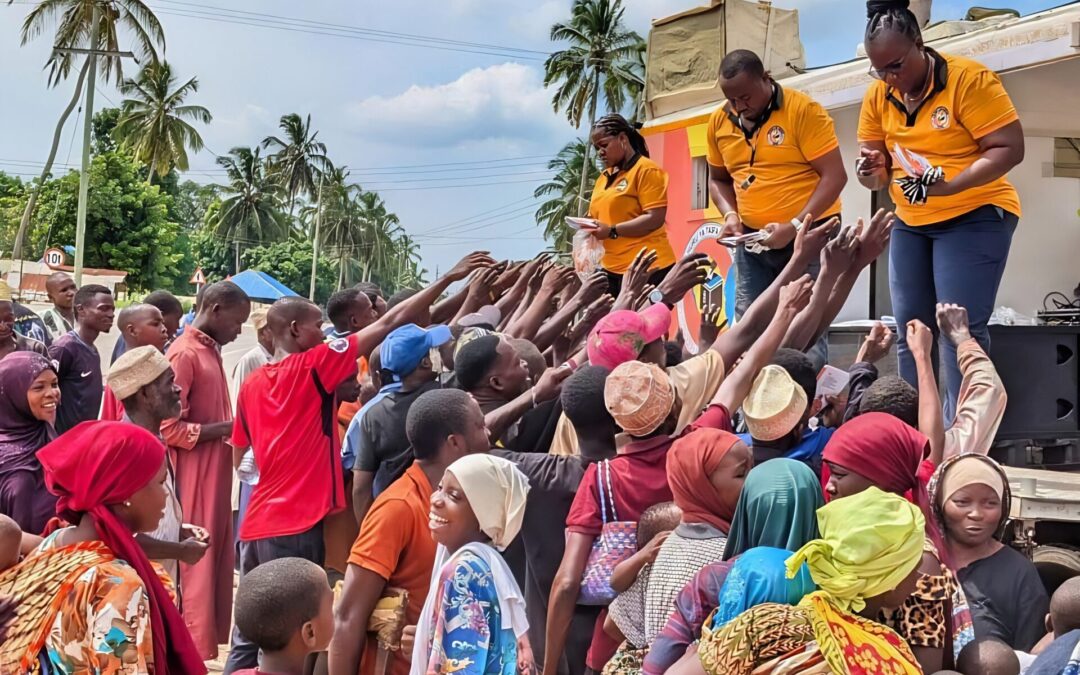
x: 102, y: 626
x: 467, y: 636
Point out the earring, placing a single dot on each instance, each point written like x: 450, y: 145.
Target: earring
x: 127, y: 504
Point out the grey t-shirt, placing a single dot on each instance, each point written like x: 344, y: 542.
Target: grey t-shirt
x: 384, y: 448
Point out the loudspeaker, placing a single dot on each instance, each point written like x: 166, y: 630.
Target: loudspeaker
x: 1040, y: 367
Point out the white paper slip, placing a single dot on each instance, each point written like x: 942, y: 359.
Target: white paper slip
x: 911, y: 162
x: 732, y: 242
x: 580, y: 223
x: 831, y: 381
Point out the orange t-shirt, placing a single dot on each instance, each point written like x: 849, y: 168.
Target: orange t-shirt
x: 968, y: 102
x: 797, y: 132
x: 395, y: 543
x: 621, y: 196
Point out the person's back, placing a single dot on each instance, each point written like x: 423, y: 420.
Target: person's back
x: 384, y: 447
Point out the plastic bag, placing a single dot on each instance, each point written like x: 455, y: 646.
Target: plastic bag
x: 588, y: 252
x: 1007, y: 316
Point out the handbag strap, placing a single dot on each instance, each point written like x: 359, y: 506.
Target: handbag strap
x: 607, y: 496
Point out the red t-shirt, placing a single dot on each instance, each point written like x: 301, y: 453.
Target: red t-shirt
x: 112, y: 410
x: 285, y: 413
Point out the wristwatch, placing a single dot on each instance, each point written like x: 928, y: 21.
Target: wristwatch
x: 613, y: 233
x: 656, y: 297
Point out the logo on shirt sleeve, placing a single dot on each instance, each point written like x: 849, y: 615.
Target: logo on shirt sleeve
x: 940, y: 118
x: 776, y: 135
x: 339, y: 345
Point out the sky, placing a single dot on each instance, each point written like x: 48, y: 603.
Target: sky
x: 454, y: 138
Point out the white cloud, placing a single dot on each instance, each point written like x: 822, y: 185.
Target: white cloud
x: 503, y: 102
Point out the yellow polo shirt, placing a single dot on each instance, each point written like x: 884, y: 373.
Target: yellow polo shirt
x: 619, y: 196
x: 968, y: 102
x: 797, y: 132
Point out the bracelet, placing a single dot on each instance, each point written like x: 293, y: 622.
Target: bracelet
x: 732, y: 213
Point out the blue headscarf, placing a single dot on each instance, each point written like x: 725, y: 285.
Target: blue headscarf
x: 759, y: 576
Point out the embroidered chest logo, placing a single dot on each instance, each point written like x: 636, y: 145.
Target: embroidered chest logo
x: 775, y: 135
x: 623, y: 184
x: 940, y: 118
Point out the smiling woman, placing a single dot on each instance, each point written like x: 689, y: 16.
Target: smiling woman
x: 29, y: 396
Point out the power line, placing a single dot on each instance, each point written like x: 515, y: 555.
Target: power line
x: 358, y: 29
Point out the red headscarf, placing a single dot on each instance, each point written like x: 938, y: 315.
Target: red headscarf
x: 689, y: 462
x: 889, y: 453
x: 100, y: 464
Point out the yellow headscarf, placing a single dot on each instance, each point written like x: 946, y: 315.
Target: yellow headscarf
x: 496, y: 491
x: 869, y: 543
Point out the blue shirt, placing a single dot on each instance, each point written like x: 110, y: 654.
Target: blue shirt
x: 808, y: 451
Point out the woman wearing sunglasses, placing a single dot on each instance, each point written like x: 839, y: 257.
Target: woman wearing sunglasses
x: 956, y: 212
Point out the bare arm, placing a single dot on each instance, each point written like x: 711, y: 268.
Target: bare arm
x: 445, y: 310
x: 920, y: 341
x: 645, y: 224
x: 359, y: 595
x: 999, y: 152
x: 362, y: 489
x: 564, y: 595
x: 735, y: 387
x: 539, y: 308
x: 832, y: 179
x: 416, y: 308
x: 722, y: 189
x: 549, y: 386
x: 591, y: 291
x: 808, y: 244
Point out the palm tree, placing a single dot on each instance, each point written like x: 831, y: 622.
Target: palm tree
x: 562, y: 192
x: 252, y: 212
x: 598, y: 61
x: 299, y: 160
x: 383, y: 229
x: 153, y: 123
x: 342, y: 232
x: 76, y: 29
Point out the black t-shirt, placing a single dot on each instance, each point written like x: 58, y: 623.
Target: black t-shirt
x: 384, y: 448
x: 78, y: 367
x: 536, y: 553
x: 532, y: 432
x: 1007, y: 599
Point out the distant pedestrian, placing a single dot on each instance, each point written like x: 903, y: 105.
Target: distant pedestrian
x: 78, y: 362
x: 60, y: 318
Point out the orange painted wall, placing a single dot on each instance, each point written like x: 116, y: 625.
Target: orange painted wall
x: 674, y: 149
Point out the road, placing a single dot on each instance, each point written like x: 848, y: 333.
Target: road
x: 230, y: 354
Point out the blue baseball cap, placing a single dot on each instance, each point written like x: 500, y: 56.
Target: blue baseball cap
x: 406, y: 346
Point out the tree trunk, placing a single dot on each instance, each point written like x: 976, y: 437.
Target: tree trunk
x: 582, y: 205
x: 31, y: 202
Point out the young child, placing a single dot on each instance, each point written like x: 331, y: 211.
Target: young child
x: 987, y: 656
x: 10, y: 543
x: 474, y: 615
x: 626, y: 614
x: 285, y: 607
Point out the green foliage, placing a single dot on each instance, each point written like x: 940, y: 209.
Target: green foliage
x: 297, y: 161
x: 560, y: 193
x: 251, y: 210
x: 212, y: 253
x: 127, y: 222
x: 12, y: 202
x: 289, y: 262
x: 103, y: 128
x: 155, y: 123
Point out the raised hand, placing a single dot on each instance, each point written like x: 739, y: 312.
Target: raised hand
x: 876, y: 345
x: 594, y: 287
x: 794, y: 297
x: 550, y: 383
x: 874, y: 239
x: 708, y: 330
x: 469, y: 264
x: 811, y: 240
x: 871, y: 161
x: 687, y: 273
x: 636, y: 277
x: 840, y: 253
x: 952, y: 320
x: 779, y: 235
x: 483, y: 282
x: 920, y: 340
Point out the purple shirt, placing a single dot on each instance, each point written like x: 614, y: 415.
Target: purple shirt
x: 78, y: 366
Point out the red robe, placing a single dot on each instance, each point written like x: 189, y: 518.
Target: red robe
x: 204, y: 475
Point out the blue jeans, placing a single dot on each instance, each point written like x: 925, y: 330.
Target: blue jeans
x: 960, y: 260
x: 755, y: 272
x: 307, y: 545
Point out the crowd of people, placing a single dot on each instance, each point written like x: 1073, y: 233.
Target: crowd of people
x: 521, y: 469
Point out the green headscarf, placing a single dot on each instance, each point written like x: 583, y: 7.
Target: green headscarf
x: 777, y: 508
x: 869, y: 543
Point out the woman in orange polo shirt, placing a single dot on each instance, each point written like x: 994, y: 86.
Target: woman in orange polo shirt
x: 629, y: 201
x: 955, y: 218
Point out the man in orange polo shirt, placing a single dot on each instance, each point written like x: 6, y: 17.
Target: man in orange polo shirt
x: 773, y: 160
x: 395, y: 548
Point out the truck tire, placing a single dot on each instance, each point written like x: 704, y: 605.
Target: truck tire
x: 1056, y: 564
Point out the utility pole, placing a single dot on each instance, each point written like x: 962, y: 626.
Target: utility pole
x: 315, y: 244
x: 88, y: 125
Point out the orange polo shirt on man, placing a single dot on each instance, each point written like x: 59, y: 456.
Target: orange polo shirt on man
x: 395, y: 543
x: 967, y: 102
x: 619, y: 196
x: 777, y: 154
